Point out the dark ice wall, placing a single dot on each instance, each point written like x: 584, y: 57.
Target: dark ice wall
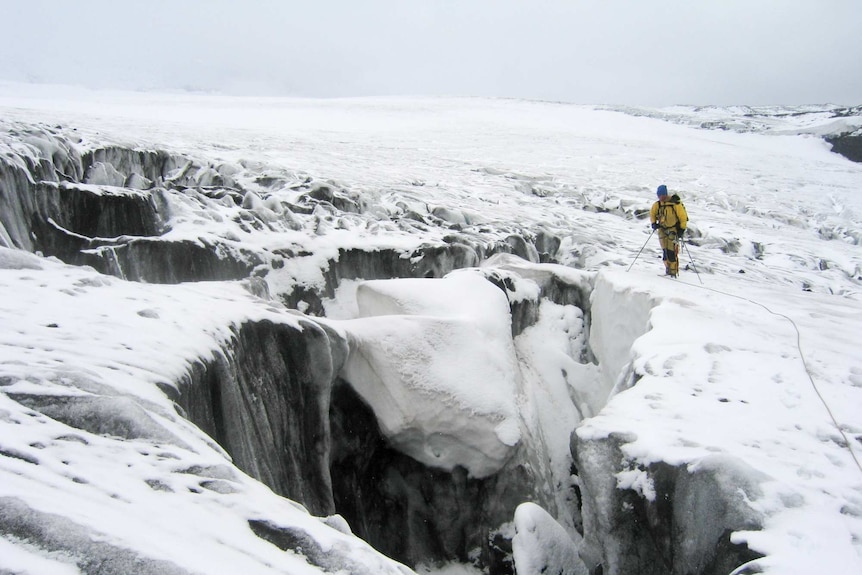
x: 265, y: 399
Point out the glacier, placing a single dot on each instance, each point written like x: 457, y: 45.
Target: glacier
x: 412, y: 335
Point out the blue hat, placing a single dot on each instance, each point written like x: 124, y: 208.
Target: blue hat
x: 661, y: 191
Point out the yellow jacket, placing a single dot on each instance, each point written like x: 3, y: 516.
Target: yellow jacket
x: 669, y: 215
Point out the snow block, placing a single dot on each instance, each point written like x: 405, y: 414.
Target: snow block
x: 437, y: 365
x: 541, y: 545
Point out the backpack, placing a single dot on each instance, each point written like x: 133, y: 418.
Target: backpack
x: 677, y: 212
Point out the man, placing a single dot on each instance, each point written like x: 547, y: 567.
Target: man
x: 670, y: 219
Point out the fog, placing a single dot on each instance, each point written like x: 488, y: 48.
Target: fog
x: 593, y: 52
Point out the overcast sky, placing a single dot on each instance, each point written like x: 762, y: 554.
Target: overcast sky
x: 649, y: 52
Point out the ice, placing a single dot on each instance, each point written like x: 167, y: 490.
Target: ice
x: 752, y: 410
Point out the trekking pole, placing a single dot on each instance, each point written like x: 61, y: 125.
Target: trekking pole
x: 694, y: 267
x: 642, y: 249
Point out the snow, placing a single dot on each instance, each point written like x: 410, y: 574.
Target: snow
x: 74, y: 336
x: 751, y: 367
x: 434, y: 358
x: 721, y: 374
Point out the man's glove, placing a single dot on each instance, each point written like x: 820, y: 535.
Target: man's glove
x: 680, y: 232
x: 655, y: 226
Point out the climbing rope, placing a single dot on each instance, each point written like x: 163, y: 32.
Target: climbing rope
x: 804, y: 363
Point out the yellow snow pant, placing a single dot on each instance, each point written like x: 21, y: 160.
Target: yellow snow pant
x: 669, y: 250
